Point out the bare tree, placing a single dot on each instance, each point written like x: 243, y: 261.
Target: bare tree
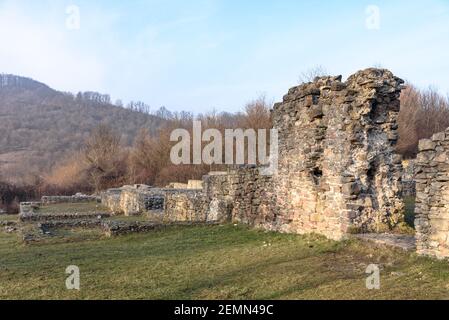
x: 310, y: 74
x: 423, y: 113
x: 104, y: 156
x: 257, y: 114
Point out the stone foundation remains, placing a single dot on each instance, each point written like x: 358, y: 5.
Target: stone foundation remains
x: 337, y: 174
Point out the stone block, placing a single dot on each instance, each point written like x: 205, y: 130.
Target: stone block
x: 426, y: 144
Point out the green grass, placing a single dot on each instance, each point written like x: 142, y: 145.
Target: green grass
x: 8, y: 217
x: 215, y: 262
x: 72, y: 208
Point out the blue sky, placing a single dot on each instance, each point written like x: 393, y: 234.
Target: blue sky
x: 201, y: 55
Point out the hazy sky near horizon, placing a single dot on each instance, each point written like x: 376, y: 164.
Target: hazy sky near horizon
x: 201, y: 55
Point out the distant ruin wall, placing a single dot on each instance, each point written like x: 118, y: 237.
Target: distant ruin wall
x: 432, y: 196
x: 111, y: 199
x: 338, y: 172
x: 190, y: 185
x: 162, y: 205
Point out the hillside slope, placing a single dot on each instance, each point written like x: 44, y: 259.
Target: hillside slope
x: 40, y: 125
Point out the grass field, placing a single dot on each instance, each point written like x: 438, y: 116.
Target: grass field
x: 72, y: 208
x: 215, y: 262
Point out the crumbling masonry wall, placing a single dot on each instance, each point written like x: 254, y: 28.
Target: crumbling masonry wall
x: 432, y: 196
x: 338, y: 172
x: 242, y: 195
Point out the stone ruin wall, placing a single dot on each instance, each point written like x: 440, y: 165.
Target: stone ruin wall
x: 432, y: 196
x: 338, y: 173
x: 111, y: 199
x: 186, y: 206
x: 241, y: 195
x: 141, y: 198
x: 162, y: 205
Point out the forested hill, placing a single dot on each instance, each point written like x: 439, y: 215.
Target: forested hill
x: 39, y: 125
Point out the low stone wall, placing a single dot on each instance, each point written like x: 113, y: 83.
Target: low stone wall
x: 80, y: 223
x: 29, y: 212
x: 36, y: 217
x: 241, y: 195
x: 170, y: 205
x: 116, y: 228
x: 185, y: 206
x: 78, y: 198
x: 218, y: 193
x: 195, y: 184
x: 135, y: 200
x: 111, y: 200
x: 432, y: 196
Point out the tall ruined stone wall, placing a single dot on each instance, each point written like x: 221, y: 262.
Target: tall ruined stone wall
x: 432, y: 196
x: 161, y: 205
x: 337, y: 169
x: 111, y: 199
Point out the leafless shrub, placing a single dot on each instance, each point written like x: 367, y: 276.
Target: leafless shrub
x: 105, y: 158
x: 423, y: 113
x: 310, y: 74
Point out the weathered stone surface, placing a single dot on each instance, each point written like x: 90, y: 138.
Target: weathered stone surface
x: 185, y: 206
x: 441, y: 136
x: 190, y: 185
x: 426, y: 144
x: 432, y: 197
